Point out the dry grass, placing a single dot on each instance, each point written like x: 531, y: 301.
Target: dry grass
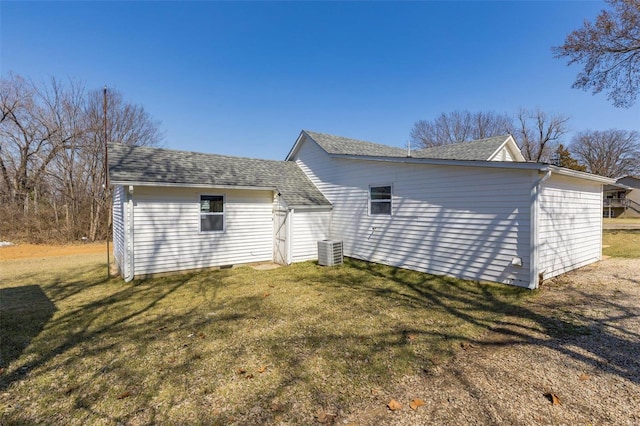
x: 291, y: 345
x: 623, y: 220
x: 621, y: 243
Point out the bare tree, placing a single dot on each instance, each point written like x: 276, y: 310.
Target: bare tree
x: 128, y: 124
x: 538, y: 133
x: 609, y: 51
x: 459, y: 126
x: 52, y: 149
x: 612, y: 153
x: 36, y: 126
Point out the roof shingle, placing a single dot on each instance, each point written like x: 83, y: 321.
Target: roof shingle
x: 141, y: 164
x: 480, y: 149
x: 474, y: 150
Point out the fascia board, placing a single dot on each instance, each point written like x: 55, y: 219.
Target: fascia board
x: 303, y: 207
x: 441, y: 162
x: 509, y: 142
x: 296, y: 145
x: 582, y: 175
x: 190, y: 185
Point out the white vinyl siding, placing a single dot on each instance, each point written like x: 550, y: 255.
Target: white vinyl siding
x: 308, y: 227
x: 570, y: 225
x: 167, y: 224
x: 118, y: 219
x: 460, y: 221
x: 503, y: 155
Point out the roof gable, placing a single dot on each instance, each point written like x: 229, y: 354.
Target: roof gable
x: 148, y: 166
x: 481, y: 150
x: 339, y: 145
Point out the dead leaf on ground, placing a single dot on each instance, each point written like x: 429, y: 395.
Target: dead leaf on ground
x: 416, y: 403
x: 375, y: 391
x: 124, y: 395
x: 277, y: 407
x: 553, y: 398
x: 262, y: 369
x: 435, y: 360
x: 162, y: 328
x: 240, y: 371
x: 71, y: 389
x: 584, y: 376
x: 324, y: 417
x: 411, y: 336
x: 266, y: 294
x: 249, y: 376
x: 202, y: 335
x: 394, y: 405
x: 465, y: 345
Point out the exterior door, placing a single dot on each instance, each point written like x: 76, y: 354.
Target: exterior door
x: 280, y: 254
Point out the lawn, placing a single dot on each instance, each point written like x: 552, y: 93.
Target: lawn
x: 293, y: 345
x: 623, y: 220
x: 621, y: 243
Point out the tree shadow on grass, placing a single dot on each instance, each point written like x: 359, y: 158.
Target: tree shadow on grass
x: 138, y: 323
x: 25, y: 309
x: 563, y: 326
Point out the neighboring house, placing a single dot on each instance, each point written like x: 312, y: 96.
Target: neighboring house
x: 622, y: 199
x: 474, y: 210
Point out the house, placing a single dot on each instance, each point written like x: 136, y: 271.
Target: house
x: 176, y: 210
x: 622, y: 199
x: 474, y: 210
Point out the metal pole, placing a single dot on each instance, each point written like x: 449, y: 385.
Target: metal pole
x: 106, y: 173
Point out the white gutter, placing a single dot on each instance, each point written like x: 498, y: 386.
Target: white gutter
x: 534, y: 269
x: 519, y: 165
x: 581, y: 175
x: 190, y: 185
x: 322, y: 207
x: 129, y: 232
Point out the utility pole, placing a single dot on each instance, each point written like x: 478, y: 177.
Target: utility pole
x: 106, y: 174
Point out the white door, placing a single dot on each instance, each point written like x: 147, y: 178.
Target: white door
x: 280, y: 236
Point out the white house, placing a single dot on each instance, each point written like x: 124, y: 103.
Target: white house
x: 474, y: 210
x: 176, y: 210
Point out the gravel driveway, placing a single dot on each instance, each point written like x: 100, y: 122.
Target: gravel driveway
x: 578, y: 339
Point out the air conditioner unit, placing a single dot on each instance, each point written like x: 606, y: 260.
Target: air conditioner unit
x: 329, y: 253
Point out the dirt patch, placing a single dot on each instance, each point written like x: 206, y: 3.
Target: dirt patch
x: 30, y: 251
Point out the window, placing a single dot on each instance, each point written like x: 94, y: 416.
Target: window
x: 380, y: 200
x: 211, y: 213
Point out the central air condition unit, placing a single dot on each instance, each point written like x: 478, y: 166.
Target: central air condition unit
x: 329, y: 253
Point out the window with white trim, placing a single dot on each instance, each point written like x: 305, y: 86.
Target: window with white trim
x: 380, y: 200
x: 211, y: 213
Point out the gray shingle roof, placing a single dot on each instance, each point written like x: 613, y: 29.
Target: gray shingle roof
x: 480, y: 149
x: 475, y: 150
x: 141, y: 164
x: 345, y: 146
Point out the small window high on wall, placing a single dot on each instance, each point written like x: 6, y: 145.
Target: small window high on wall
x: 380, y: 200
x: 211, y: 213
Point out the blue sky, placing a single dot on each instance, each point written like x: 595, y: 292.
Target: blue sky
x: 243, y: 78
